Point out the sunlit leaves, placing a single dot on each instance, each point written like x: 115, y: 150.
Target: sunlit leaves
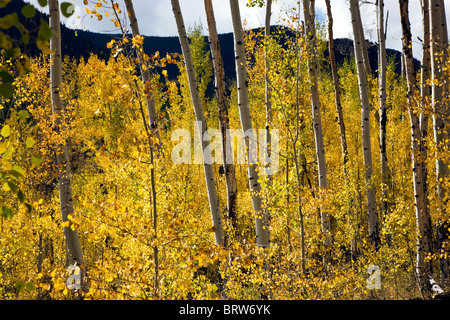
x: 6, y: 131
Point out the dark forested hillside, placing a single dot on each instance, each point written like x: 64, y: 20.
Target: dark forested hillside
x: 81, y: 43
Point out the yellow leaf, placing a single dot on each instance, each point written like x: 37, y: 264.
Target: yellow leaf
x: 6, y: 187
x: 6, y: 131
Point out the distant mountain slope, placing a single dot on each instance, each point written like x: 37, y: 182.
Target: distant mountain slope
x: 82, y: 43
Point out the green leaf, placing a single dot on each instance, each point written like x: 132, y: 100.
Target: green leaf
x: 25, y: 38
x: 11, y: 185
x: 5, y: 41
x: 21, y: 196
x: 28, y: 11
x: 13, y: 52
x: 17, y: 170
x: 20, y: 285
x: 6, y: 76
x: 44, y: 46
x: 6, y: 212
x: 6, y: 131
x: 45, y: 32
x: 30, y: 142
x: 43, y: 3
x: 29, y: 286
x: 7, y: 90
x: 67, y: 9
x: 3, y: 3
x: 23, y: 114
x: 36, y: 161
x: 9, y: 20
x: 7, y: 154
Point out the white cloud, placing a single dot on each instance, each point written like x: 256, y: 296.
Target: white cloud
x: 155, y: 18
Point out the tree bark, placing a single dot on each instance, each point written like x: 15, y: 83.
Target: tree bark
x: 201, y: 125
x: 337, y: 90
x: 145, y: 72
x: 224, y: 122
x: 362, y: 39
x: 425, y: 94
x: 423, y: 220
x: 309, y: 10
x: 372, y: 214
x: 382, y: 64
x: 261, y: 216
x: 268, y: 91
x: 439, y: 90
x: 73, y: 247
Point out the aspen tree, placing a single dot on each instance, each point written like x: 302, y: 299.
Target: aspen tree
x: 201, y: 125
x: 425, y: 93
x: 337, y: 90
x: 362, y: 39
x: 73, y: 247
x: 310, y: 32
x: 268, y: 90
x: 224, y: 121
x: 145, y: 72
x: 372, y: 214
x: 423, y: 219
x: 382, y: 65
x: 439, y: 90
x: 261, y: 216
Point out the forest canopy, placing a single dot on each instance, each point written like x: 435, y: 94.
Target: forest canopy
x: 135, y: 173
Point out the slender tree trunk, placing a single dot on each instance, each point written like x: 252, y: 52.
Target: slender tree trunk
x: 337, y: 90
x: 261, y: 216
x: 152, y: 129
x: 439, y: 90
x: 382, y: 64
x: 424, y: 239
x: 425, y: 97
x: 224, y: 122
x: 268, y: 90
x: 73, y: 247
x: 309, y: 10
x: 362, y: 39
x: 201, y: 125
x: 145, y: 72
x: 372, y: 214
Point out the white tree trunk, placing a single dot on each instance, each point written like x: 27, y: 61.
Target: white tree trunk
x: 337, y: 90
x: 261, y: 216
x: 201, y: 125
x: 145, y: 73
x: 425, y: 94
x: 382, y: 64
x: 309, y: 10
x: 224, y: 122
x: 268, y: 91
x: 423, y: 219
x: 439, y: 90
x: 362, y: 39
x: 73, y: 247
x: 372, y: 214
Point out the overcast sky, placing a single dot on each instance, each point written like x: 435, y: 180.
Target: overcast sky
x: 155, y: 17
